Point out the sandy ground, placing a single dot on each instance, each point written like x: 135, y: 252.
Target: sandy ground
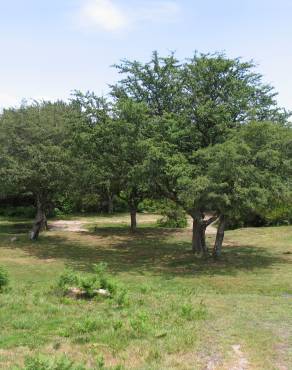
x: 81, y: 225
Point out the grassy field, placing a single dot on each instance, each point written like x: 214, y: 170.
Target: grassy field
x: 182, y: 312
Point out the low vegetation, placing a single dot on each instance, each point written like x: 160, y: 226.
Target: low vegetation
x: 170, y: 309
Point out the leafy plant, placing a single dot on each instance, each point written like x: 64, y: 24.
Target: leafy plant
x: 140, y: 324
x: 3, y: 278
x: 90, y: 283
x: 189, y: 312
x: 40, y: 362
x: 173, y: 216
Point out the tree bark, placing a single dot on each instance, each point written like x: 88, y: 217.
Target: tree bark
x: 203, y: 239
x: 197, y: 236
x: 219, y: 237
x: 133, y: 213
x: 40, y: 222
x: 110, y: 204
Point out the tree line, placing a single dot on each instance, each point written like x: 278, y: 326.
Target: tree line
x: 205, y: 133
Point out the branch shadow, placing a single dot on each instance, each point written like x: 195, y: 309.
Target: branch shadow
x: 159, y: 251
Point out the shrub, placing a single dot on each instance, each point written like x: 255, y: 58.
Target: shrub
x: 89, y: 283
x: 173, y: 216
x: 149, y: 205
x: 68, y: 279
x: 3, y: 278
x: 18, y: 211
x: 280, y: 215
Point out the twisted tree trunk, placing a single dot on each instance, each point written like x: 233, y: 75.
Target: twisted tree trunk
x: 219, y: 237
x: 200, y: 225
x: 40, y: 222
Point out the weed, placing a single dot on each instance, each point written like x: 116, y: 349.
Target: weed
x: 3, y: 279
x: 187, y: 311
x: 140, y: 324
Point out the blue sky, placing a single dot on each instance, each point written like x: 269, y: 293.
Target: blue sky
x: 51, y: 47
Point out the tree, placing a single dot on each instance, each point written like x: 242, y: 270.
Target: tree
x: 211, y: 96
x: 130, y: 129
x: 110, y: 139
x: 33, y: 140
x: 158, y: 83
x: 91, y: 115
x: 245, y: 173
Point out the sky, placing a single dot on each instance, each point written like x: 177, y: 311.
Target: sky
x: 51, y: 47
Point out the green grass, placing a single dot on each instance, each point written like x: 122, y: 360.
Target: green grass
x: 182, y: 312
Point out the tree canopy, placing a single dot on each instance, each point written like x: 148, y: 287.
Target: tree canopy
x: 205, y: 133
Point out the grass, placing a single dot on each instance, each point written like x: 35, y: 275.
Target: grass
x: 182, y: 312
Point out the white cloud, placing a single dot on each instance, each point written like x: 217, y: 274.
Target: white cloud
x: 109, y: 16
x: 104, y: 14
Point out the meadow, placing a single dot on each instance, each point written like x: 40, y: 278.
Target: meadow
x: 178, y: 311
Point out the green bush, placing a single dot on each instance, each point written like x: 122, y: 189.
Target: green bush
x: 19, y: 211
x: 280, y: 215
x: 173, y: 216
x: 3, y: 278
x: 150, y: 205
x: 89, y: 283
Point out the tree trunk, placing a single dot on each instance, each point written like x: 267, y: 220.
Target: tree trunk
x: 110, y: 204
x: 219, y: 237
x: 40, y: 222
x: 133, y: 219
x: 203, y: 239
x: 197, y: 236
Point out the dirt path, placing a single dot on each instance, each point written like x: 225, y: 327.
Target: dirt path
x: 62, y: 225
x: 81, y: 225
x: 241, y: 362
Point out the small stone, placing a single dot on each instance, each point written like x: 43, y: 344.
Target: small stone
x: 102, y: 292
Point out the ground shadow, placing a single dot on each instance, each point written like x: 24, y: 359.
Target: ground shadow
x: 161, y: 251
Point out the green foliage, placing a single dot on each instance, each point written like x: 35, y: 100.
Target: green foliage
x: 89, y: 283
x: 140, y: 324
x: 173, y: 216
x: 18, y: 211
x: 280, y: 214
x: 3, y: 278
x: 190, y: 312
x: 45, y: 363
x: 68, y: 279
x: 41, y: 362
x: 151, y: 206
x: 34, y: 141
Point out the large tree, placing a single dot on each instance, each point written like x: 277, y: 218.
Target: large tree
x: 211, y: 95
x: 33, y: 141
x: 245, y: 174
x: 111, y: 140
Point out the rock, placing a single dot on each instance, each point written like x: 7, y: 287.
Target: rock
x: 78, y: 293
x: 102, y: 292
